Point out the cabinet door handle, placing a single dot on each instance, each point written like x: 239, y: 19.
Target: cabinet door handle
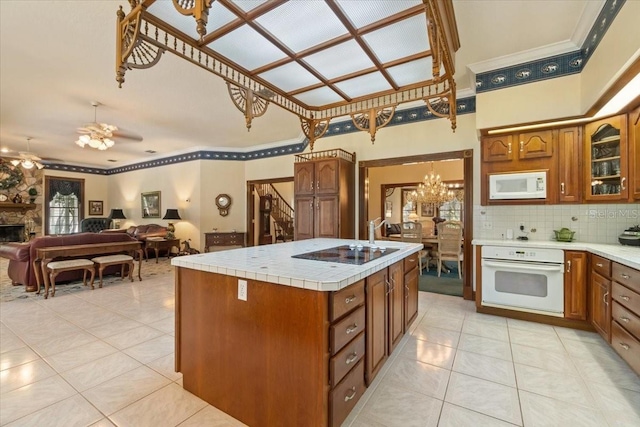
x: 624, y: 187
x: 604, y: 298
x: 569, y: 266
x: 521, y: 146
x: 599, y: 264
x: 625, y: 319
x: 350, y: 396
x: 562, y: 187
x: 350, y: 299
x: 625, y: 298
x: 509, y: 148
x: 311, y: 185
x: 388, y: 286
x: 394, y: 284
x: 625, y: 346
x: 351, y: 329
x: 352, y: 358
x: 625, y: 276
x: 317, y: 185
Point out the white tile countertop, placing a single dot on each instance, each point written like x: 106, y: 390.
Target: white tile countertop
x: 273, y: 263
x: 625, y: 255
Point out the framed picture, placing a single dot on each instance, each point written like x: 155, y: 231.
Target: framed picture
x: 427, y: 210
x: 150, y: 204
x: 96, y: 207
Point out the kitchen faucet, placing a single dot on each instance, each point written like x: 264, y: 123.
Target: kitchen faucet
x: 372, y: 229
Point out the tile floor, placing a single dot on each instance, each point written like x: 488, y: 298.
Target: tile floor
x: 105, y: 357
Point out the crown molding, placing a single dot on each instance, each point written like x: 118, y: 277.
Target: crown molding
x: 587, y: 21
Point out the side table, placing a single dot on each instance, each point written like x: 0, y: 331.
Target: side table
x: 158, y: 243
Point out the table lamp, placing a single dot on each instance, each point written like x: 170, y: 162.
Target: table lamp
x: 171, y: 214
x: 116, y: 214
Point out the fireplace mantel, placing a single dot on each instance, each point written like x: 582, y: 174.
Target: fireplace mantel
x: 17, y: 206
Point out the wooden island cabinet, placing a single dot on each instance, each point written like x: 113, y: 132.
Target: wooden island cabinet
x: 272, y: 339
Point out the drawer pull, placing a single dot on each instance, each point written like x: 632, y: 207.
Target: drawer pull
x: 625, y: 319
x: 624, y: 297
x: 350, y: 299
x: 562, y: 187
x: 351, y: 395
x: 352, y: 329
x: 604, y: 298
x: 599, y: 264
x: 625, y: 276
x: 625, y: 346
x: 352, y: 358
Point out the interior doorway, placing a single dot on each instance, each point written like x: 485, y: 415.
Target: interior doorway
x: 269, y: 211
x: 370, y: 209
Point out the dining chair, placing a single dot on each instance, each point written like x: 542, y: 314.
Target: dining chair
x: 412, y: 232
x: 450, y: 244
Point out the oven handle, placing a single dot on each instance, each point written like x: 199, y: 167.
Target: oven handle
x: 522, y: 266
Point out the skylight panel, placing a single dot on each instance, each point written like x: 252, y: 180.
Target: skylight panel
x: 331, y: 62
x: 289, y: 77
x: 319, y: 97
x: 247, y: 48
x: 301, y: 25
x: 397, y: 41
x: 168, y: 13
x: 365, y: 12
x: 248, y: 5
x: 412, y: 72
x: 364, y: 85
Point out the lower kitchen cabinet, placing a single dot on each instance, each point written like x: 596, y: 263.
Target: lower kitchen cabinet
x: 410, y: 290
x: 575, y: 285
x: 396, y: 305
x: 376, y: 352
x: 600, y: 305
x: 625, y: 321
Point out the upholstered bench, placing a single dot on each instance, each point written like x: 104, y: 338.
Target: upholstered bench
x: 57, y: 267
x: 107, y: 260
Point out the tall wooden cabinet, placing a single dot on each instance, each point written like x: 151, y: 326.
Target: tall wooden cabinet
x: 575, y: 285
x: 569, y: 185
x: 324, y: 195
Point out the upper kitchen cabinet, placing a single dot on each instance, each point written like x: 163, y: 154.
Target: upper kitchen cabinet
x: 534, y: 145
x: 606, y: 156
x: 323, y: 195
x: 497, y: 148
x: 515, y: 148
x: 569, y: 169
x: 634, y: 153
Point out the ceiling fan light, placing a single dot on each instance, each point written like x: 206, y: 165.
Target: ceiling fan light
x: 39, y: 165
x: 109, y: 143
x: 15, y: 162
x: 27, y: 164
x: 94, y: 143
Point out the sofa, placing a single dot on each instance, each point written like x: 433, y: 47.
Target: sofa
x: 21, y: 255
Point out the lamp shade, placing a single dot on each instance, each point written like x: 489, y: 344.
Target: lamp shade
x: 171, y: 214
x: 117, y: 214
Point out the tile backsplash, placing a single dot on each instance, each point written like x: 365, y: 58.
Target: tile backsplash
x: 596, y: 223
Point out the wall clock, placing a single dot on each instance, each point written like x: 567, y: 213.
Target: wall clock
x: 223, y: 202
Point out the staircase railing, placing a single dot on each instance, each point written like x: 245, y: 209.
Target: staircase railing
x: 281, y: 212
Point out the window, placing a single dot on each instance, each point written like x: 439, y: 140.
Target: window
x: 452, y: 210
x: 63, y: 208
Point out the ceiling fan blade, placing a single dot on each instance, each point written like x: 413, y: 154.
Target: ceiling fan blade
x: 131, y: 136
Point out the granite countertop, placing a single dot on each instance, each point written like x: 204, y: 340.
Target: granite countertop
x: 625, y: 255
x: 274, y: 263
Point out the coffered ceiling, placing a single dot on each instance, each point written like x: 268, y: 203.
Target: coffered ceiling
x: 58, y: 56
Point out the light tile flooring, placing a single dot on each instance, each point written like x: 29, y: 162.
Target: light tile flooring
x: 105, y: 357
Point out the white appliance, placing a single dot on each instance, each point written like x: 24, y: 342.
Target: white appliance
x: 523, y: 279
x: 518, y: 185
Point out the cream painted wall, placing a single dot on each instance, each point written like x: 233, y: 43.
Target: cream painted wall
x: 619, y: 46
x: 448, y: 170
x: 548, y: 99
x: 177, y: 183
x: 96, y: 187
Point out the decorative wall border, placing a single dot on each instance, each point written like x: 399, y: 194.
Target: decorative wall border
x: 554, y: 66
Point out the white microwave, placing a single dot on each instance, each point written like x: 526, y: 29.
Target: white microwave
x: 518, y: 185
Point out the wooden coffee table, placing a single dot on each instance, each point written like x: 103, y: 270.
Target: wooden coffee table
x: 158, y: 244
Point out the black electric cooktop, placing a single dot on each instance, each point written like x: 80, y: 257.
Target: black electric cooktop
x: 346, y: 254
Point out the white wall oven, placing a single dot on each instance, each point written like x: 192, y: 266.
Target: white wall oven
x: 524, y: 279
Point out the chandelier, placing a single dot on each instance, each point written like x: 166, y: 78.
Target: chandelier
x: 96, y: 135
x: 432, y: 190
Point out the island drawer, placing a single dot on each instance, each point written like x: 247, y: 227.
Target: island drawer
x: 601, y: 265
x: 345, y: 396
x: 627, y: 276
x: 347, y: 299
x: 411, y: 262
x: 342, y: 362
x: 626, y: 346
x: 345, y: 330
x: 626, y: 297
x: 626, y: 319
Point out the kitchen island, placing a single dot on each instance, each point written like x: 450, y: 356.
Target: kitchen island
x: 275, y: 340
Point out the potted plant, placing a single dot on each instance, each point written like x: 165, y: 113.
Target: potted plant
x: 32, y: 194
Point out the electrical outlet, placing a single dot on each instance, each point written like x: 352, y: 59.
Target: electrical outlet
x: 487, y: 225
x: 242, y: 290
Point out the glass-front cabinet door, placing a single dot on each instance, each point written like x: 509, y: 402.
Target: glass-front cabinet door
x: 606, y: 154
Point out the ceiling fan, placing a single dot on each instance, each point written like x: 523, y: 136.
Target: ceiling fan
x: 27, y: 159
x: 99, y: 135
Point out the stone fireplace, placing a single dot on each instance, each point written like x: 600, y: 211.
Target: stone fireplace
x: 12, y: 233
